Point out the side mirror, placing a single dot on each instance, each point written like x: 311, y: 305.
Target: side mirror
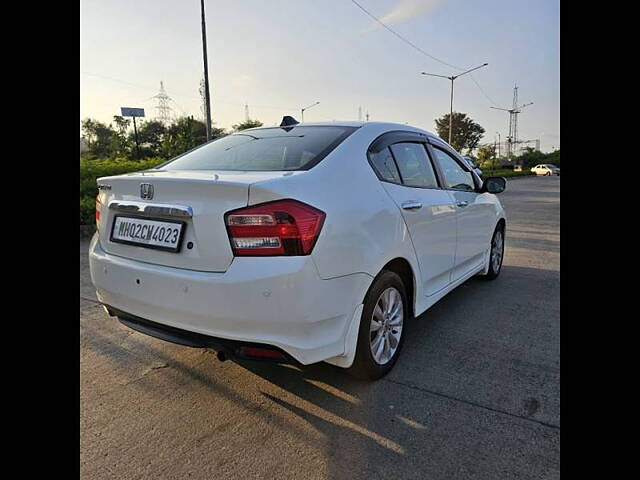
x: 494, y: 185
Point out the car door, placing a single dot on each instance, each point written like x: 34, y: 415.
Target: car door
x: 408, y: 176
x: 475, y: 212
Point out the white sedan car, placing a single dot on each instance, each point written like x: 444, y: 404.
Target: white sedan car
x: 546, y: 169
x: 300, y: 243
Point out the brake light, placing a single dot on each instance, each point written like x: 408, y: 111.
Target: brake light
x: 283, y: 227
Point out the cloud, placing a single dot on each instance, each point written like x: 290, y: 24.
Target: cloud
x: 405, y: 10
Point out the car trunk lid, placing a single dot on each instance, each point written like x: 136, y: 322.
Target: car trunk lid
x: 198, y: 198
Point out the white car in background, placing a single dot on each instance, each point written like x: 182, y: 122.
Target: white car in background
x: 304, y: 243
x: 546, y: 169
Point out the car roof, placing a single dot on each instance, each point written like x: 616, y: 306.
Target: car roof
x: 378, y: 125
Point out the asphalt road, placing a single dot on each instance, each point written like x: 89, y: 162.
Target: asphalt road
x: 475, y: 393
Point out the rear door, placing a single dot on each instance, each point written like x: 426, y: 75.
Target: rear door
x: 475, y: 212
x: 409, y: 178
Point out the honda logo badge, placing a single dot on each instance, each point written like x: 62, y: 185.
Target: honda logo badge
x: 146, y: 191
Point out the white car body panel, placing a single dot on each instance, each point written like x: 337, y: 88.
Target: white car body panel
x: 310, y: 306
x: 433, y: 228
x: 476, y: 223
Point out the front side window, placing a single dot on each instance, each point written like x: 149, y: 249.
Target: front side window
x: 385, y: 166
x: 414, y: 165
x: 264, y: 149
x: 455, y: 177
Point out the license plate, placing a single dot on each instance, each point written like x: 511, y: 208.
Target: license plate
x: 144, y: 232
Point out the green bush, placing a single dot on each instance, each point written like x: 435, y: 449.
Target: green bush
x: 87, y: 210
x: 91, y: 170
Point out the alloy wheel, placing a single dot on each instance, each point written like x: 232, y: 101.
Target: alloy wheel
x: 386, y: 325
x: 497, y: 250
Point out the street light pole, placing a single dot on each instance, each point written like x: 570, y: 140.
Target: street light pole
x: 207, y: 99
x: 451, y: 111
x: 452, y: 78
x: 306, y: 108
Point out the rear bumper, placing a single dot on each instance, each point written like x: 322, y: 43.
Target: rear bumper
x: 231, y: 348
x: 277, y: 301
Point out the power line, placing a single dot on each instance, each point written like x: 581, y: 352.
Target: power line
x: 483, y: 92
x: 414, y: 46
x: 408, y: 42
x: 118, y: 81
x: 184, y: 112
x: 189, y: 97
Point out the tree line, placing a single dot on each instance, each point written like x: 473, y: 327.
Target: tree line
x: 155, y: 139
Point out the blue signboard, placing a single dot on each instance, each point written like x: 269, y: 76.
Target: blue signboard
x: 132, y: 112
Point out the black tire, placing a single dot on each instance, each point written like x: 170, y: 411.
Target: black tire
x: 548, y: 174
x: 493, y: 271
x: 365, y: 366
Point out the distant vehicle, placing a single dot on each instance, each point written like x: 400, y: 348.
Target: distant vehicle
x: 298, y: 244
x: 546, y: 169
x: 517, y: 168
x: 471, y: 164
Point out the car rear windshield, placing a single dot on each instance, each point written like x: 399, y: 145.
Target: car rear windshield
x: 264, y: 149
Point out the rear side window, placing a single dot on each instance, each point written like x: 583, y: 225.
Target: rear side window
x: 414, y: 165
x: 385, y: 166
x: 455, y: 177
x: 265, y: 149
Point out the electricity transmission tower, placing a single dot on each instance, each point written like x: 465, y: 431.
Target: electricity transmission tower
x: 512, y: 138
x: 246, y: 112
x: 165, y: 112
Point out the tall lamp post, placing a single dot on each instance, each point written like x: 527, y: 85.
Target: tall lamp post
x: 452, y: 78
x: 207, y: 99
x: 307, y: 108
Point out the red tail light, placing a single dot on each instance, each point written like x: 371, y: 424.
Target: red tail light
x: 283, y: 227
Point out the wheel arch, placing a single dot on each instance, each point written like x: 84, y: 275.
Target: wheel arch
x: 403, y: 269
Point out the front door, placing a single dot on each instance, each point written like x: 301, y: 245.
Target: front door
x: 474, y: 210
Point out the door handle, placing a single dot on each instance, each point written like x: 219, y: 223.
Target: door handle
x: 462, y: 204
x: 411, y: 205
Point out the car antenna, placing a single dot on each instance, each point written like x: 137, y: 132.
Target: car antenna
x: 288, y: 121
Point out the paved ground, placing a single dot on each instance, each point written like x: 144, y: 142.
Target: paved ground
x: 475, y: 393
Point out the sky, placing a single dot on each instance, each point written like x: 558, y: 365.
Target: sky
x: 278, y: 56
